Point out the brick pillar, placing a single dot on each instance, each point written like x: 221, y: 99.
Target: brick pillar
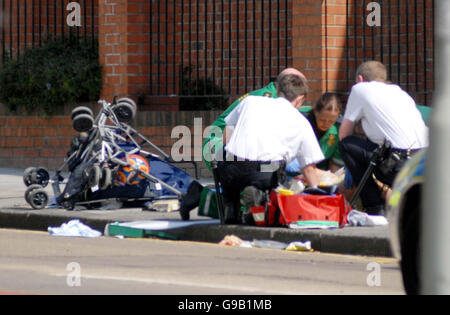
x: 336, y: 18
x: 318, y: 43
x: 124, y: 47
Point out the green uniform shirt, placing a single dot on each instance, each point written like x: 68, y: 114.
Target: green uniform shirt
x: 213, y: 143
x: 425, y: 112
x: 329, y: 143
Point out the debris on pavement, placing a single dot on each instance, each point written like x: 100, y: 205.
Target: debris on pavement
x: 233, y: 240
x: 300, y: 247
x: 164, y: 205
x: 358, y: 218
x: 74, y: 228
x: 269, y: 244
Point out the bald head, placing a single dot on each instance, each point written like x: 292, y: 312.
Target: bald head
x: 292, y: 85
x: 293, y: 71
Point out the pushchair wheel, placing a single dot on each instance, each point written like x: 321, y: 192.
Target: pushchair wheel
x: 36, y: 175
x: 69, y: 205
x: 106, y: 178
x: 94, y: 176
x: 81, y: 110
x: 127, y: 100
x: 38, y: 198
x: 27, y: 176
x: 124, y: 111
x: 29, y: 190
x: 83, y: 122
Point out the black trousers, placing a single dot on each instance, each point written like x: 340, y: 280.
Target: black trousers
x: 357, y: 154
x: 236, y: 175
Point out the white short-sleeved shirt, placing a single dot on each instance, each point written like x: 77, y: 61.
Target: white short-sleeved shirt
x: 387, y: 112
x: 267, y: 129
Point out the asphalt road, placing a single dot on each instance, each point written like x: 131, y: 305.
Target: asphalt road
x: 37, y: 263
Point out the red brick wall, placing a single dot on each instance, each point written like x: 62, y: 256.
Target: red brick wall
x: 307, y: 43
x: 33, y: 141
x: 414, y: 68
x: 146, y: 54
x: 124, y: 47
x: 322, y: 39
x: 403, y: 42
x: 335, y: 28
x: 140, y: 60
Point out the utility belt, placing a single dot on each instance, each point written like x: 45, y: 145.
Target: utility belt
x: 278, y: 167
x: 257, y: 165
x: 393, y: 159
x: 404, y: 154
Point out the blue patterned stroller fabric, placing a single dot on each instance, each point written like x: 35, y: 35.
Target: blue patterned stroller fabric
x: 169, y: 174
x: 164, y: 171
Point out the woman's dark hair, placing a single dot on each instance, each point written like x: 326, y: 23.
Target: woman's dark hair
x: 328, y: 102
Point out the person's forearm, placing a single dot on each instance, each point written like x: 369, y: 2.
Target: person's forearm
x: 346, y: 129
x: 311, y: 175
x: 333, y: 167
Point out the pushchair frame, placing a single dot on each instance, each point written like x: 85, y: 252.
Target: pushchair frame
x: 101, y: 151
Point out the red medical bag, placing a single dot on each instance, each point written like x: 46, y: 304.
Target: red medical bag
x: 288, y: 209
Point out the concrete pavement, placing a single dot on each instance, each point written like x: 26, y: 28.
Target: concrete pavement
x: 37, y: 263
x: 15, y: 213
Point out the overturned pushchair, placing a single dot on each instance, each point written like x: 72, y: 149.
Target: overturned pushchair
x: 108, y: 160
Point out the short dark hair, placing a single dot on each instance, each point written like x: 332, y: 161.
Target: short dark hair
x: 290, y: 86
x: 372, y: 71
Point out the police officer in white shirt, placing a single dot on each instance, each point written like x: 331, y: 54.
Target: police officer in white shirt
x: 267, y: 131
x: 387, y: 113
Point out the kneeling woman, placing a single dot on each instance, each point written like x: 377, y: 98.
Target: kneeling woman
x: 323, y: 117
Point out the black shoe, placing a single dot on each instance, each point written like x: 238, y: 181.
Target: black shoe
x: 190, y: 200
x: 184, y: 212
x: 230, y: 213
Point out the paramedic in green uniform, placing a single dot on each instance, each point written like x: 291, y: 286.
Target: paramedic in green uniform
x: 323, y: 117
x: 214, y: 141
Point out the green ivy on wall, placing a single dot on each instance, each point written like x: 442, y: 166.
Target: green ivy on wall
x: 45, y: 78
